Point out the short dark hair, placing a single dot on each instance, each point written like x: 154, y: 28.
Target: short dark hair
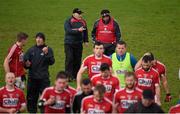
x: 104, y: 66
x: 21, y: 36
x: 41, y: 35
x: 146, y: 59
x: 61, y: 75
x: 97, y: 44
x: 129, y: 74
x: 121, y: 43
x: 100, y: 88
x: 152, y: 56
x: 86, y: 81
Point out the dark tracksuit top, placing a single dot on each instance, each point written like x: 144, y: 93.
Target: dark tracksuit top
x: 39, y: 62
x: 116, y: 29
x: 72, y: 35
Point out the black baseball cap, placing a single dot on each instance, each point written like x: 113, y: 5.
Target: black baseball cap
x: 77, y: 10
x: 148, y: 94
x: 105, y: 12
x: 40, y: 35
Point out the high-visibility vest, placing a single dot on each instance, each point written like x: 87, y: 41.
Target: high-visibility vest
x: 121, y: 67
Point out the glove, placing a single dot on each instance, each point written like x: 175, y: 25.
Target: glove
x: 168, y: 97
x: 41, y: 103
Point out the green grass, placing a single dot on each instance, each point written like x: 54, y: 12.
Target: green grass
x: 146, y: 25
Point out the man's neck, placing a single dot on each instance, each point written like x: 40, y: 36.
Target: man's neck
x: 19, y: 44
x: 98, y: 57
x: 10, y: 88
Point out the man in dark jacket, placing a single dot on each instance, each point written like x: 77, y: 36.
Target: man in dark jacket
x: 147, y: 105
x: 37, y: 60
x: 75, y: 34
x: 106, y: 30
x: 86, y: 91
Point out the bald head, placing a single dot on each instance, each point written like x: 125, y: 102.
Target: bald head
x: 10, y: 78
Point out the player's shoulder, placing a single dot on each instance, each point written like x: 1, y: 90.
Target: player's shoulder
x: 173, y: 108
x: 160, y: 63
x: 120, y: 91
x: 49, y: 89
x: 2, y: 88
x: 106, y: 57
x: 18, y: 90
x: 138, y: 90
x: 139, y: 69
x: 72, y: 89
x: 155, y: 71
x: 89, y: 57
x: 95, y: 76
x: 107, y: 100
x: 88, y: 98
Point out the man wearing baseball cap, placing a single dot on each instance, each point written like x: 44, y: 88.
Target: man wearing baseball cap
x: 106, y: 30
x: 147, y: 105
x: 37, y: 59
x: 76, y: 34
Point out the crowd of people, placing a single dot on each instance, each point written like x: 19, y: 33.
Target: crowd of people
x: 116, y: 82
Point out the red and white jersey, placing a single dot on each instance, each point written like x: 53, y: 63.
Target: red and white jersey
x: 91, y: 106
x: 93, y: 64
x: 72, y: 91
x: 125, y: 98
x: 111, y: 84
x: 16, y: 65
x: 160, y: 68
x: 62, y: 100
x: 147, y: 79
x: 12, y: 99
x: 175, y: 109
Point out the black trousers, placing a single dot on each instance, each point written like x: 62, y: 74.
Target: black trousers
x: 109, y: 49
x: 73, y: 53
x: 35, y: 88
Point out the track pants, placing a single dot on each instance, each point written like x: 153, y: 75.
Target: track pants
x: 35, y: 88
x: 73, y: 55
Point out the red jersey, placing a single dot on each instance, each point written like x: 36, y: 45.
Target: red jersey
x: 12, y: 99
x: 16, y: 65
x: 175, y: 109
x: 62, y: 100
x: 93, y: 64
x: 91, y: 106
x: 160, y: 68
x: 72, y: 91
x: 111, y: 84
x: 125, y: 98
x: 105, y: 33
x: 147, y: 79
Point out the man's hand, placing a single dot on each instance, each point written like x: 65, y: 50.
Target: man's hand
x: 81, y: 29
x: 168, y: 97
x: 11, y: 110
x: 45, y: 50
x: 78, y: 88
x: 50, y: 101
x: 28, y: 63
x: 86, y: 43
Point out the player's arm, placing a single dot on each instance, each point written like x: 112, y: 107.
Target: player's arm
x: 8, y: 59
x: 23, y: 108
x: 79, y: 76
x: 115, y: 104
x: 158, y: 94
x: 138, y: 64
x: 165, y: 86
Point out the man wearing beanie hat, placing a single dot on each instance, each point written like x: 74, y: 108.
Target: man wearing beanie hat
x: 76, y: 34
x: 106, y: 30
x: 147, y: 105
x: 37, y: 59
